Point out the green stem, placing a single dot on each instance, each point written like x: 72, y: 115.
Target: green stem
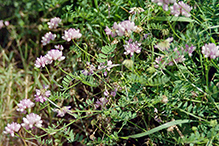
x: 206, y: 75
x: 83, y: 50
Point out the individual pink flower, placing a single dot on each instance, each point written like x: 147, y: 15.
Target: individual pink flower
x: 132, y: 47
x: 107, y: 67
x: 1, y: 24
x: 32, y: 120
x: 164, y: 45
x: 89, y: 69
x: 101, y: 103
x: 42, y: 95
x: 60, y: 47
x: 47, y: 38
x: 182, y: 8
x: 24, y: 104
x: 101, y: 66
x: 178, y: 55
x: 71, y: 34
x: 185, y: 9
x: 190, y: 50
x: 127, y: 27
x: 106, y: 93
x: 135, y: 10
x: 41, y: 62
x: 113, y: 31
x: 109, y: 31
x: 124, y: 28
x: 62, y: 111
x: 159, y: 61
x: 175, y: 9
x: 12, y: 128
x: 164, y: 3
x: 113, y: 93
x: 54, y: 22
x: 7, y: 23
x: 210, y: 50
x: 54, y: 55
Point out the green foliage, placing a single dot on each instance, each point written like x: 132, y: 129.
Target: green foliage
x: 175, y: 102
x: 106, y: 53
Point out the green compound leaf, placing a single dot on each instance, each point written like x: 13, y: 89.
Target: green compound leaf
x: 102, y: 55
x: 161, y: 127
x: 108, y: 49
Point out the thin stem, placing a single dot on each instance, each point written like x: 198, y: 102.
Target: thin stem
x: 83, y: 50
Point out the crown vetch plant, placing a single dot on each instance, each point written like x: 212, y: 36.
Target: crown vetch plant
x: 126, y: 72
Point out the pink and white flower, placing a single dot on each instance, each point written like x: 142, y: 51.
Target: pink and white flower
x: 182, y: 8
x: 132, y: 47
x: 62, y: 111
x: 124, y: 28
x: 54, y: 22
x: 101, y: 103
x: 12, y: 128
x: 41, y: 62
x: 42, y: 95
x: 71, y: 34
x: 135, y: 10
x: 164, y: 3
x: 60, y: 47
x: 210, y: 50
x: 47, y: 38
x: 32, y: 120
x: 24, y: 104
x: 185, y: 9
x: 54, y: 55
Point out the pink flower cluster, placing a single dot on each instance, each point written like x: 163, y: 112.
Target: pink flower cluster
x: 176, y: 8
x: 135, y: 10
x: 54, y: 22
x: 124, y: 28
x: 42, y: 95
x: 62, y: 111
x: 51, y: 56
x: 101, y: 103
x: 177, y: 56
x: 190, y: 50
x: 71, y: 34
x: 60, y: 47
x: 47, y: 38
x: 107, y: 66
x: 24, y: 104
x: 2, y: 23
x: 132, y: 47
x: 182, y: 8
x: 210, y: 50
x: 32, y: 120
x: 113, y: 93
x: 12, y: 128
x: 164, y: 3
x: 89, y: 69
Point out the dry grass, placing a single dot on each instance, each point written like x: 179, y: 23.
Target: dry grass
x: 15, y: 84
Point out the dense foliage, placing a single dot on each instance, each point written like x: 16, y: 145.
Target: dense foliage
x: 115, y: 72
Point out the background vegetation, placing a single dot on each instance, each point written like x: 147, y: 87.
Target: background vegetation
x: 165, y: 105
